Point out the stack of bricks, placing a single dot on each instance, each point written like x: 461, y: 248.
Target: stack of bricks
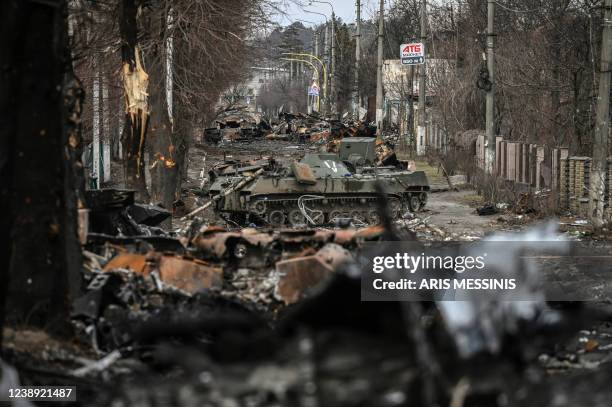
x: 571, y: 199
x: 583, y: 201
x: 579, y: 169
x: 564, y: 183
x: 558, y: 154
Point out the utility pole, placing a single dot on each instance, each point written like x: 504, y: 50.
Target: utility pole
x: 600, y: 139
x: 316, y: 54
x: 106, y: 132
x: 411, y: 107
x: 333, y: 64
x: 490, y: 143
x: 379, y: 79
x: 356, y: 103
x: 327, y: 61
x: 96, y: 179
x: 420, y: 141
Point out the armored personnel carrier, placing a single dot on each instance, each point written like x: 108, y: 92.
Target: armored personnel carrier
x: 318, y: 189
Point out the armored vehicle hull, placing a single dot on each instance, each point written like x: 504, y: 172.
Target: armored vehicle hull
x: 319, y: 189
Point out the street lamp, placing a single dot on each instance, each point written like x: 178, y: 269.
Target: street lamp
x: 326, y: 23
x: 295, y: 54
x: 333, y: 53
x: 315, y: 46
x: 315, y: 74
x: 329, y: 42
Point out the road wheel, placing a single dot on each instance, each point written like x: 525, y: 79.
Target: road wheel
x: 373, y: 217
x: 414, y: 203
x: 296, y: 218
x: 258, y: 207
x: 395, y: 207
x: 423, y: 199
x: 318, y: 217
x: 335, y: 214
x: 358, y: 216
x: 277, y: 218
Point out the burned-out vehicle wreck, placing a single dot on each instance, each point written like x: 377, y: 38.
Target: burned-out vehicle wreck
x: 319, y: 189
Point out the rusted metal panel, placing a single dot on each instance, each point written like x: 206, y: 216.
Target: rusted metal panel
x: 300, y: 274
x: 131, y: 261
x: 189, y: 275
x: 214, y: 242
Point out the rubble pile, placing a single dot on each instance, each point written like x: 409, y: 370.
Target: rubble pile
x: 236, y: 125
x: 301, y: 127
x: 132, y: 275
x: 273, y: 317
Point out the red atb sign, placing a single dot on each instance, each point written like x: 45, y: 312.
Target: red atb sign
x: 412, y: 53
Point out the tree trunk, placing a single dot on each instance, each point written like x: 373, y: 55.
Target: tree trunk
x: 165, y: 171
x: 601, y: 143
x: 183, y: 129
x: 135, y: 84
x: 41, y: 176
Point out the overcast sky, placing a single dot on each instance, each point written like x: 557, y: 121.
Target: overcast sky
x: 344, y: 9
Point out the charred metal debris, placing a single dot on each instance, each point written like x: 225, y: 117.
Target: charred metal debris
x: 240, y: 125
x: 263, y: 317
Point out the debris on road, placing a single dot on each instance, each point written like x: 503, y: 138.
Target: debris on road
x: 235, y: 125
x: 486, y: 210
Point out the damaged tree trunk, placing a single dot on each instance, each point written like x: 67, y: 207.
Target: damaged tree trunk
x: 164, y: 171
x: 41, y: 175
x: 163, y: 153
x: 182, y: 132
x: 135, y: 84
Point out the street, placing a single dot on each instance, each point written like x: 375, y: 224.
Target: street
x: 281, y: 203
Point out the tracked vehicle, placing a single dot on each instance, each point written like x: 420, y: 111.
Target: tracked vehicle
x: 317, y: 190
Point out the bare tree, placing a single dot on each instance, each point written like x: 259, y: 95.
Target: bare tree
x: 135, y: 84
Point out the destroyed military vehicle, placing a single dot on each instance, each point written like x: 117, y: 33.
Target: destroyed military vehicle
x: 321, y: 188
